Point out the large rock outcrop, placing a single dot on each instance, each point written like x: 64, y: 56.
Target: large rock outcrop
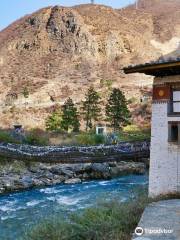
x: 16, y: 175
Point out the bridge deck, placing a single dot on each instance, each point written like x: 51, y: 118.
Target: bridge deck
x: 76, y: 154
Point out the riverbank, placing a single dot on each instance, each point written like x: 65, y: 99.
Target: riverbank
x: 108, y: 220
x: 20, y: 175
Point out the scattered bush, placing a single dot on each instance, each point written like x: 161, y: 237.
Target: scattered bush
x: 99, y: 139
x: 53, y: 121
x: 134, y: 133
x: 132, y: 100
x: 25, y: 92
x: 131, y: 128
x: 6, y: 137
x: 35, y: 137
x: 106, y: 83
x: 90, y: 139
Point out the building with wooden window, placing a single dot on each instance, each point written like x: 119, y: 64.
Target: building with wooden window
x: 165, y: 129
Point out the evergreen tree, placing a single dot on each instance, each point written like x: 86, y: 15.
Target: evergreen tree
x: 53, y: 122
x: 25, y: 92
x: 117, y: 112
x: 70, y: 116
x: 91, y: 109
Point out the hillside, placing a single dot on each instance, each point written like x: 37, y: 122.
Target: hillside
x: 59, y: 52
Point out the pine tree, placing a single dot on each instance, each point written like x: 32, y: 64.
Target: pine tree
x: 91, y: 108
x: 117, y: 112
x: 53, y: 122
x: 25, y: 92
x: 70, y: 116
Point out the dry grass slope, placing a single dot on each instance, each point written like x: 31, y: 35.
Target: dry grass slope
x: 59, y: 52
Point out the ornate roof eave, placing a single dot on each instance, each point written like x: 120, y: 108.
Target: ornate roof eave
x: 158, y: 69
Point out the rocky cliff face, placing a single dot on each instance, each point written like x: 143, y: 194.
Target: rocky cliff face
x: 59, y: 52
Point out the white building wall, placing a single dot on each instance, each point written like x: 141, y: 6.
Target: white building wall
x: 165, y: 157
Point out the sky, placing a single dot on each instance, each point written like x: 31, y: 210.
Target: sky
x: 11, y: 10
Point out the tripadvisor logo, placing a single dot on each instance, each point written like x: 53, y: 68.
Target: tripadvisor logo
x: 139, y: 231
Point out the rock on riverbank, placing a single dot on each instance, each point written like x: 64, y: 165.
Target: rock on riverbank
x: 19, y: 175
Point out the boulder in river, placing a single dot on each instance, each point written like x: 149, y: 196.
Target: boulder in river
x: 73, y: 181
x: 100, y: 171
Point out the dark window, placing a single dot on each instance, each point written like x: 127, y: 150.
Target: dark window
x: 173, y: 132
x: 100, y: 130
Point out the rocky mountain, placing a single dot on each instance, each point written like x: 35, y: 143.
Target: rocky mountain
x: 59, y: 52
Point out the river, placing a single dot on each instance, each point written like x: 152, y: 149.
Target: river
x: 20, y: 210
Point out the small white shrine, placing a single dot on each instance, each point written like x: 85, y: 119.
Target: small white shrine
x: 164, y: 176
x: 101, y: 129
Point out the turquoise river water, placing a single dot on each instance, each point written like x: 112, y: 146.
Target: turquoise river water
x: 19, y: 211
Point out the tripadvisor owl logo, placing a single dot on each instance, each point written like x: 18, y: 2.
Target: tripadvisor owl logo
x: 139, y: 231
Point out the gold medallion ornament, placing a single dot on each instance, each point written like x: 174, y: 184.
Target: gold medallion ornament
x: 161, y: 93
